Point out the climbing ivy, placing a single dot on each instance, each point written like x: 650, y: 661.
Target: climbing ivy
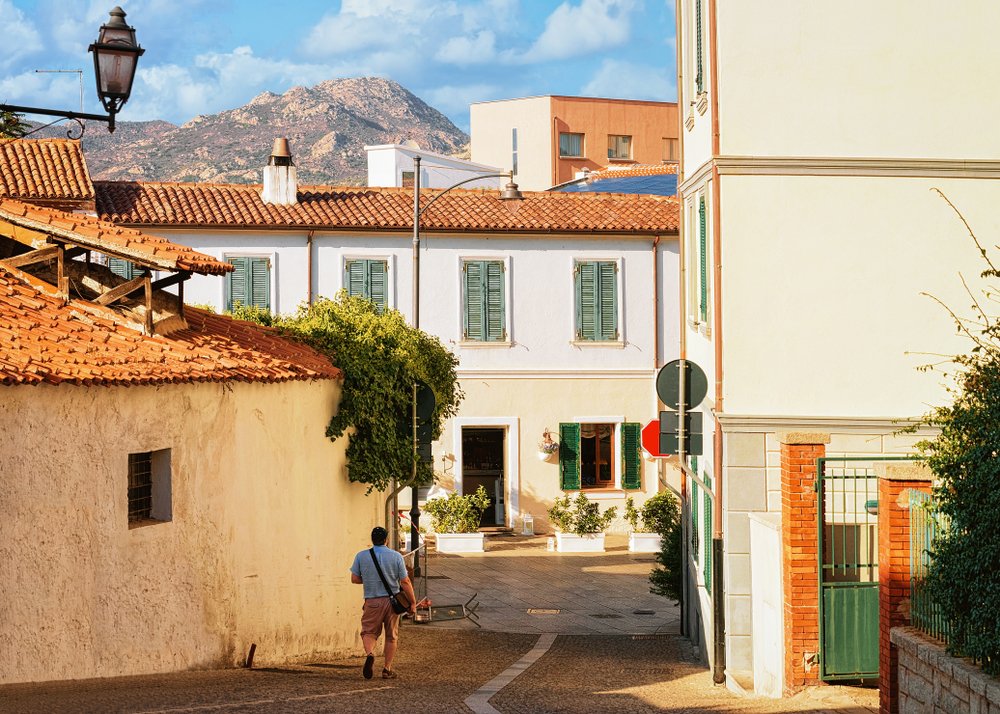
x: 381, y: 357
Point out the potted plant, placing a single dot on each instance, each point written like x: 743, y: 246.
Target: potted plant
x: 580, y: 524
x: 548, y: 448
x: 649, y: 525
x: 455, y: 520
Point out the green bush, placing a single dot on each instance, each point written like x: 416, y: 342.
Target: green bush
x: 665, y: 578
x: 658, y: 515
x: 458, y: 514
x: 580, y: 516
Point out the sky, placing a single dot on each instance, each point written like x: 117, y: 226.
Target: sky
x: 206, y: 56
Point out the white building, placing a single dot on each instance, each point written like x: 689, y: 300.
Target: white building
x: 811, y: 147
x: 392, y: 165
x: 560, y: 307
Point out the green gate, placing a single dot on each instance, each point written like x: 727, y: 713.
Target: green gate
x: 847, y: 497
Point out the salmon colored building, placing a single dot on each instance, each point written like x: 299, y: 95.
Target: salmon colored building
x: 548, y: 140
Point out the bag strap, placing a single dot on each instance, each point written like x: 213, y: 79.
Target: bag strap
x: 379, y: 569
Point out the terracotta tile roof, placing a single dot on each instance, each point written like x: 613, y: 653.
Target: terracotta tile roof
x: 635, y: 170
x: 49, y: 169
x: 350, y: 208
x: 45, y: 340
x: 89, y: 232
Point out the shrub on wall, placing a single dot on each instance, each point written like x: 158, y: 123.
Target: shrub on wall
x: 381, y: 356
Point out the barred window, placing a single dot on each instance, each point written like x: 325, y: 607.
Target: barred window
x: 149, y: 486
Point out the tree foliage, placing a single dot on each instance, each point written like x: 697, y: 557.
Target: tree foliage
x: 964, y: 574
x: 12, y: 125
x: 381, y: 357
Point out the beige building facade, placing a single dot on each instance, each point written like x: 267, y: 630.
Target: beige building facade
x: 549, y: 140
x: 816, y: 247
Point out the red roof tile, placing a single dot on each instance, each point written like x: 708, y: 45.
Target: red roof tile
x: 348, y: 208
x: 45, y: 169
x: 634, y: 170
x: 45, y: 340
x: 127, y: 243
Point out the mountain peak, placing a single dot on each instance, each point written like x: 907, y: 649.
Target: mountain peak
x: 328, y: 125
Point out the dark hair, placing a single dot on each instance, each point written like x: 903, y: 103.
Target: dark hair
x: 379, y: 534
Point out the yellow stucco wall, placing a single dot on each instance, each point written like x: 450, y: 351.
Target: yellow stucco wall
x: 264, y: 528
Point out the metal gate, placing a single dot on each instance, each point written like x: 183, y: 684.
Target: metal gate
x: 847, y: 497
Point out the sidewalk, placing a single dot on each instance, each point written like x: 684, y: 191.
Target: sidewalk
x: 524, y: 588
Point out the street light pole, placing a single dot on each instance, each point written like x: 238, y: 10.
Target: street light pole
x: 510, y: 192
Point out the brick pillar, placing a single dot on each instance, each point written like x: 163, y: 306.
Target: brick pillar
x: 800, y: 541
x: 896, y: 480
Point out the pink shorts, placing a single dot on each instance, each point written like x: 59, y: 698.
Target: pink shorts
x: 376, y: 613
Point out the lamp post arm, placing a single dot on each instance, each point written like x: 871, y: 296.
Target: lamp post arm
x: 13, y: 108
x: 509, y: 175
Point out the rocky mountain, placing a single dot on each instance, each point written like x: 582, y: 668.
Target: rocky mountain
x: 328, y: 126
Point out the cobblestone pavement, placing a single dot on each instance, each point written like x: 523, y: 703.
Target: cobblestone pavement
x: 622, y: 663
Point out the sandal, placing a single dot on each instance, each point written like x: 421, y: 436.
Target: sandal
x: 388, y: 673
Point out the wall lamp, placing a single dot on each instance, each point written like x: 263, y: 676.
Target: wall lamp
x: 116, y: 55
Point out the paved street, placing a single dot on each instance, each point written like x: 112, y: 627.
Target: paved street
x: 616, y: 662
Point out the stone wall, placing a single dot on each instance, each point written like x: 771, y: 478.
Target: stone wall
x: 931, y: 681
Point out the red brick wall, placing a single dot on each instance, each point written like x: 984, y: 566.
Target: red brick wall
x: 893, y: 580
x: 800, y: 568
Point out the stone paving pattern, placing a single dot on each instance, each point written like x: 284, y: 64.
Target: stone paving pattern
x: 592, y: 667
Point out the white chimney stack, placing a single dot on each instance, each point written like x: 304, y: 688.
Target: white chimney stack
x: 280, y: 184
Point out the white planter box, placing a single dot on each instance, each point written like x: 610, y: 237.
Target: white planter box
x: 644, y: 543
x: 573, y: 543
x: 460, y: 542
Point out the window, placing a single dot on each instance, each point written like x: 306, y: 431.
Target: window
x: 669, y: 150
x: 249, y: 283
x: 513, y: 150
x: 368, y: 279
x: 483, y: 317
x: 406, y: 179
x: 124, y: 268
x: 619, y: 146
x: 597, y: 301
x: 702, y: 262
x: 588, y: 458
x: 149, y: 496
x: 571, y: 145
x: 699, y: 80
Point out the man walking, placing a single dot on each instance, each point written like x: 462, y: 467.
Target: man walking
x: 378, y: 612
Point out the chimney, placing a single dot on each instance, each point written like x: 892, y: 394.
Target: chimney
x: 280, y: 186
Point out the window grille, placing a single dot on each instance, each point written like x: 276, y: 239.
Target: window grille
x: 140, y: 486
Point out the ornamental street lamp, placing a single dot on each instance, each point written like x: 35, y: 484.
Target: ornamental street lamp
x: 116, y: 55
x: 510, y: 192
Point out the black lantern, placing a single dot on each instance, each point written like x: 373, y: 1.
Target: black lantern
x: 116, y: 55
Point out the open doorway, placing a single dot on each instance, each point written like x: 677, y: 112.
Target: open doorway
x: 482, y: 465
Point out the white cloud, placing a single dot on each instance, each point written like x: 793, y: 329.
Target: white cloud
x: 41, y: 90
x: 378, y: 24
x: 627, y: 80
x: 468, y: 50
x: 456, y: 99
x: 20, y: 38
x: 574, y: 30
x: 214, y: 82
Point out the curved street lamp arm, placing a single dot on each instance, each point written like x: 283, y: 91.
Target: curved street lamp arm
x: 509, y: 175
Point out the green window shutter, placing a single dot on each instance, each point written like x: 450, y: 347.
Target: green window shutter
x: 631, y: 458
x: 260, y: 283
x: 238, y: 282
x: 694, y: 521
x: 354, y: 278
x: 495, y: 327
x: 378, y: 283
x: 474, y: 316
x: 700, y: 76
x: 702, y: 261
x: 707, y: 532
x: 569, y: 456
x: 608, y: 304
x: 586, y: 301
x: 123, y: 268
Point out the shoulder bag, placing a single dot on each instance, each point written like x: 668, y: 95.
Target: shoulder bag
x: 400, y: 603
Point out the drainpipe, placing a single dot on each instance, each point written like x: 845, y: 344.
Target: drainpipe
x: 718, y: 596
x: 656, y: 305
x: 309, y: 265
x: 682, y: 304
